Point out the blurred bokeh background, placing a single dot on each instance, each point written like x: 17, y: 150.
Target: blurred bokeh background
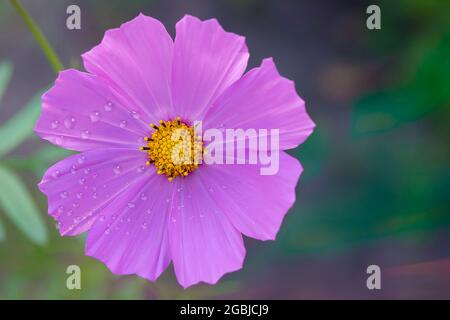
x: 376, y: 185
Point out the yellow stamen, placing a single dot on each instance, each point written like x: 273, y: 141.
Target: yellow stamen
x: 173, y: 148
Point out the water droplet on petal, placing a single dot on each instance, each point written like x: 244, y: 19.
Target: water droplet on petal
x: 55, y: 124
x: 117, y: 169
x: 59, y: 140
x: 64, y: 194
x: 82, y: 181
x: 144, y: 197
x: 144, y: 225
x: 70, y: 122
x: 85, y: 134
x: 94, y: 195
x: 81, y: 159
x: 123, y: 124
x: 60, y: 209
x: 108, y: 106
x: 80, y: 195
x: 101, y: 218
x: 95, y: 116
x: 131, y: 205
x: 55, y: 174
x: 135, y: 115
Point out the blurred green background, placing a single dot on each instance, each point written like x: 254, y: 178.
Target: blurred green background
x: 375, y: 189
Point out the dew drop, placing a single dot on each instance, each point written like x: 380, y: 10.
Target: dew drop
x: 94, y: 195
x: 85, y: 134
x: 102, y: 218
x: 108, y: 106
x: 55, y: 174
x: 144, y: 197
x: 144, y: 225
x: 87, y: 170
x: 95, y: 116
x: 75, y: 204
x: 70, y: 122
x: 81, y: 159
x: 55, y: 124
x: 80, y: 195
x: 82, y: 181
x: 64, y: 194
x: 131, y: 205
x: 123, y: 124
x: 60, y: 209
x: 135, y: 115
x: 59, y: 140
x: 117, y: 169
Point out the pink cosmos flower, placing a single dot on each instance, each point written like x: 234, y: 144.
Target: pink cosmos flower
x: 138, y: 220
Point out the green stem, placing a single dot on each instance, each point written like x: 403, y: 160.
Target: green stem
x: 49, y: 53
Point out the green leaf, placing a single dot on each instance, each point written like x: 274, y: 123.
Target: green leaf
x: 20, y: 207
x: 20, y: 126
x: 49, y: 154
x: 6, y: 69
x: 425, y: 91
x: 2, y: 231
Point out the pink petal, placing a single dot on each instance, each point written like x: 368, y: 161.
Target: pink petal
x: 80, y: 112
x: 136, y: 59
x: 133, y: 237
x: 79, y: 187
x: 204, y: 245
x: 256, y: 204
x: 262, y: 99
x: 206, y: 61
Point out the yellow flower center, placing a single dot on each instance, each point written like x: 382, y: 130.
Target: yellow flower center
x: 173, y: 148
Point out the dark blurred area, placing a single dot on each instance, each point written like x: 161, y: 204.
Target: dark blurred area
x: 376, y: 185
